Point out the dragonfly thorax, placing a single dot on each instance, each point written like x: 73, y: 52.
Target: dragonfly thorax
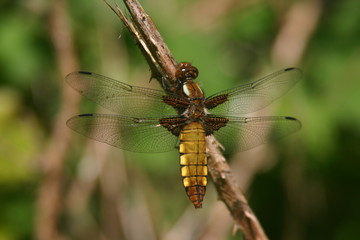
x: 192, y: 91
x: 195, y: 111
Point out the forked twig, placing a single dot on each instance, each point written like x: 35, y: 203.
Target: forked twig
x: 149, y: 40
x: 163, y: 66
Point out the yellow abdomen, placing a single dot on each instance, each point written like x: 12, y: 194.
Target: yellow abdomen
x: 193, y: 162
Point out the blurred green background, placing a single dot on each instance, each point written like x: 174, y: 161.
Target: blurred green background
x: 305, y: 187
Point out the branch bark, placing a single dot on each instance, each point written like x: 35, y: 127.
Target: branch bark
x: 149, y: 40
x: 230, y: 193
x: 163, y: 67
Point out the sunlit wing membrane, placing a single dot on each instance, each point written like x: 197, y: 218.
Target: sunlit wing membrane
x: 119, y: 97
x: 131, y: 134
x: 243, y: 133
x: 256, y: 95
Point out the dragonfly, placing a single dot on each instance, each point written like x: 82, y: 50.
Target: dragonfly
x: 150, y: 120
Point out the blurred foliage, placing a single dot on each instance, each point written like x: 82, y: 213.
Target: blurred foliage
x: 313, y: 191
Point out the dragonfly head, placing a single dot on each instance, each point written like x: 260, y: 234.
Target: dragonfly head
x: 186, y: 72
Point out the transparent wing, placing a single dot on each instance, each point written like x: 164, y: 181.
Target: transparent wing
x: 131, y: 134
x: 119, y: 97
x: 243, y: 133
x: 258, y: 94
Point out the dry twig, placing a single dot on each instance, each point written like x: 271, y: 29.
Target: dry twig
x: 149, y: 40
x: 298, y: 26
x: 163, y: 65
x: 49, y: 203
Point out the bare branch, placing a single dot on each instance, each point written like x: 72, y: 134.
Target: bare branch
x: 49, y: 203
x: 298, y: 26
x: 231, y: 195
x: 149, y: 40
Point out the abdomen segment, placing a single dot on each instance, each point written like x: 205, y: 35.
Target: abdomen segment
x: 193, y: 162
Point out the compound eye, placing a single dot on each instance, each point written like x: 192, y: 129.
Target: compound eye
x: 186, y: 71
x: 192, y: 72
